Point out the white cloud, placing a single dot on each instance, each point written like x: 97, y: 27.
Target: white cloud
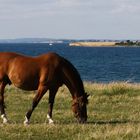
x: 74, y: 16
x: 127, y: 7
x: 33, y: 8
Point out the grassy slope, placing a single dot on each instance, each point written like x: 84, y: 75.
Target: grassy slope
x: 113, y: 110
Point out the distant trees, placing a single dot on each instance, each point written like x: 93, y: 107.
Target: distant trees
x: 128, y: 43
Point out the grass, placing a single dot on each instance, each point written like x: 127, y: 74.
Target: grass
x: 113, y: 110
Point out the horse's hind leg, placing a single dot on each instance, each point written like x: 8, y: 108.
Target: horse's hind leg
x: 3, y: 115
x: 52, y: 94
x: 41, y: 91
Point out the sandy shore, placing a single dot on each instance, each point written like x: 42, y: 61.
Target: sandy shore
x: 93, y: 44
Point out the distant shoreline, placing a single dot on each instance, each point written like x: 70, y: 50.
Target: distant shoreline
x: 93, y: 44
x: 105, y: 44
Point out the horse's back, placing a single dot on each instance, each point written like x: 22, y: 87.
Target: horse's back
x: 44, y: 58
x: 6, y: 56
x: 7, y: 59
x: 23, y: 71
x: 26, y: 72
x: 16, y: 68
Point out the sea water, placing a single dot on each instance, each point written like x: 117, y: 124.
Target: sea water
x: 95, y: 64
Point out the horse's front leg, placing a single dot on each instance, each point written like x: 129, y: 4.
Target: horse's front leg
x: 41, y: 91
x: 3, y: 115
x: 52, y: 94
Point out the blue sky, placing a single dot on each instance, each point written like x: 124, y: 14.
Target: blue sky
x: 70, y: 19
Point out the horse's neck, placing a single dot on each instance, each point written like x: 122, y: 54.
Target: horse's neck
x: 73, y: 81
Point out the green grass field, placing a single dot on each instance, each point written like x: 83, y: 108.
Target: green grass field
x: 113, y: 114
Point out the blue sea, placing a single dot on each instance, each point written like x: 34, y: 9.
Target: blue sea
x: 97, y: 64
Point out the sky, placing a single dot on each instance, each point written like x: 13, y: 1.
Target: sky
x: 70, y: 19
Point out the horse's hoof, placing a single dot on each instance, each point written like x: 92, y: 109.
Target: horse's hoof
x: 51, y: 121
x: 26, y: 122
x: 5, y: 120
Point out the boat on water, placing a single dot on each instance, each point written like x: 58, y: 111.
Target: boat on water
x: 50, y: 44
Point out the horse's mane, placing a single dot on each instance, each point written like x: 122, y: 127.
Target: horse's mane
x: 75, y: 74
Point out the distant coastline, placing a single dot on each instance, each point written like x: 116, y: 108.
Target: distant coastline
x: 75, y: 42
x: 93, y: 44
x: 106, y: 43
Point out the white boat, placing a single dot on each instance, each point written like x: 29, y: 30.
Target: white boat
x: 50, y: 44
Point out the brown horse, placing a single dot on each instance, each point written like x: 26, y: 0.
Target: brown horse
x: 42, y: 73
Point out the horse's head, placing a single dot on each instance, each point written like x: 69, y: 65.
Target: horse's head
x: 79, y: 108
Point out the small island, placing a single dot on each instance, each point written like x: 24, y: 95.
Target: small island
x: 93, y: 44
x: 126, y: 43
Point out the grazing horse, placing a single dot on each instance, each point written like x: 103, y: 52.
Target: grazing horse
x: 42, y: 73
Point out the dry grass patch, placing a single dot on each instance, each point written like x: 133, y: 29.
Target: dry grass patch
x: 113, y: 110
